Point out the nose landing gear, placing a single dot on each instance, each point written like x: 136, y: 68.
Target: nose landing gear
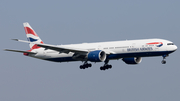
x: 164, y: 57
x: 163, y: 61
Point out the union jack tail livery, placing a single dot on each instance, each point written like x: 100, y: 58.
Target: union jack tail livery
x: 32, y: 36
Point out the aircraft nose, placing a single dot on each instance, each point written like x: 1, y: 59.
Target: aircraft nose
x: 175, y: 47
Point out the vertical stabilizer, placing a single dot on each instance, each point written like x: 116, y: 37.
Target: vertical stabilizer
x: 32, y: 36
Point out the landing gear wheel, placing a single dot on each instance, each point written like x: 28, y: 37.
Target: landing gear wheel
x: 163, y: 62
x: 105, y: 67
x: 102, y: 68
x: 110, y: 66
x: 82, y: 67
x: 164, y: 57
x: 85, y: 65
x: 89, y: 65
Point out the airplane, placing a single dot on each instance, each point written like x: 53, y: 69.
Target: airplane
x: 130, y: 51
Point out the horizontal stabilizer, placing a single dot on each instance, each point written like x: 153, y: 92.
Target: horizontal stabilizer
x: 20, y: 51
x: 21, y: 40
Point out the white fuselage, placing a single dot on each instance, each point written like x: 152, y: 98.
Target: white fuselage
x: 130, y: 51
x: 113, y: 49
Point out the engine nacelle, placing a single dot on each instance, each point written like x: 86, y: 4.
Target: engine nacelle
x: 96, y: 56
x: 134, y: 60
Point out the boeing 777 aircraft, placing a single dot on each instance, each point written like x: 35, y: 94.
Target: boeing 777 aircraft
x: 130, y: 51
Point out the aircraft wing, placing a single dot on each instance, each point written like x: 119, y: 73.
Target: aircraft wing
x: 62, y: 49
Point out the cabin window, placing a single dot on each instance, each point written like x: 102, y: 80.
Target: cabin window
x: 122, y: 47
x: 150, y: 45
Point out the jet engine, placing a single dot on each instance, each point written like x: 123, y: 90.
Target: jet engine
x: 134, y: 60
x: 96, y: 56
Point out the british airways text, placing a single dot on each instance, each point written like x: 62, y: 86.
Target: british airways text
x: 140, y: 49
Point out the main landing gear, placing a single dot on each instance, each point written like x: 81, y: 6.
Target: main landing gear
x: 164, y: 61
x: 85, y: 65
x: 106, y: 66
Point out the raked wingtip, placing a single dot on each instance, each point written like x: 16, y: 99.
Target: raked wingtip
x: 15, y: 39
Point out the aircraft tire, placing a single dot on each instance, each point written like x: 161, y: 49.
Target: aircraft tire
x: 163, y: 62
x: 89, y: 65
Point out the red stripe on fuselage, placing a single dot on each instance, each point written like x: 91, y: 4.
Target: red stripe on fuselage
x: 30, y: 31
x: 152, y: 43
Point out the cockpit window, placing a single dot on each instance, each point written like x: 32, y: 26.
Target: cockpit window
x: 170, y: 44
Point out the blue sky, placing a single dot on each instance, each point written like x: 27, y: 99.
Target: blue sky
x: 69, y: 21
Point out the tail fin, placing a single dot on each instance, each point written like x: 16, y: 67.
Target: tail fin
x: 32, y: 36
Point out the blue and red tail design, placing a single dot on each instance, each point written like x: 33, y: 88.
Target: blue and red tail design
x: 158, y: 44
x: 32, y: 36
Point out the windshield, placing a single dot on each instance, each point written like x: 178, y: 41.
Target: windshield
x: 170, y: 44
